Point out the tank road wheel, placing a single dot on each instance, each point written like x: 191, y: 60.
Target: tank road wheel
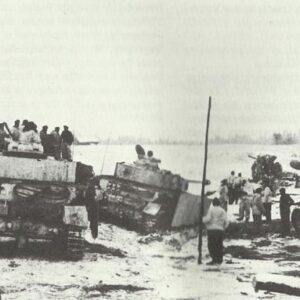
x: 296, y: 220
x: 149, y: 224
x: 74, y: 243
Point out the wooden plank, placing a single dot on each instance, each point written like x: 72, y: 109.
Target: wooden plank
x: 188, y: 210
x: 39, y: 170
x: 277, y: 283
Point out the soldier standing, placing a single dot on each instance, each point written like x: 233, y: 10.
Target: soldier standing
x: 230, y: 184
x: 237, y: 186
x: 216, y: 222
x: 267, y: 202
x: 257, y: 210
x: 67, y: 140
x: 56, y: 143
x: 223, y: 192
x: 285, y: 202
x: 44, y: 139
x: 245, y: 203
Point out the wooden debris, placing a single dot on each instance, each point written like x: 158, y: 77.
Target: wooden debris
x: 277, y: 283
x: 106, y: 288
x: 98, y: 248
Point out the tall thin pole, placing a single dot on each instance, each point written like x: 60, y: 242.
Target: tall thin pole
x: 203, y: 186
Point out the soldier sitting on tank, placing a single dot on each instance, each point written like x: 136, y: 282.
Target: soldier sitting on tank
x: 30, y: 135
x: 15, y: 131
x: 24, y: 126
x: 3, y: 135
x: 152, y: 161
x: 141, y: 161
x: 56, y: 140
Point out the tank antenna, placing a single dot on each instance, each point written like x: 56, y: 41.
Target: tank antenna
x: 203, y: 187
x: 73, y: 146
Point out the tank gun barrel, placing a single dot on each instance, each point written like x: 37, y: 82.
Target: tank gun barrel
x: 207, y: 182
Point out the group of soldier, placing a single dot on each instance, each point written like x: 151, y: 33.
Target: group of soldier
x: 241, y: 191
x: 57, y: 145
x: 53, y: 144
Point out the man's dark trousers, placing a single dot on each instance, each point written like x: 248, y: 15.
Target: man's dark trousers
x: 215, y: 245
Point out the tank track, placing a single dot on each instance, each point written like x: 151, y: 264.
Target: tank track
x: 74, y: 243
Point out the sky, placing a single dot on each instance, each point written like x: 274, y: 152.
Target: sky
x: 147, y: 68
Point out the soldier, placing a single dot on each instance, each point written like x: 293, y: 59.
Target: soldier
x: 3, y: 135
x: 15, y: 131
x: 223, y: 192
x: 257, y: 210
x: 30, y: 135
x: 267, y: 201
x: 216, y: 222
x: 141, y: 161
x: 44, y: 140
x: 152, y: 161
x: 237, y: 185
x: 245, y: 203
x: 56, y: 140
x: 230, y: 184
x: 24, y: 126
x: 67, y: 140
x: 285, y: 202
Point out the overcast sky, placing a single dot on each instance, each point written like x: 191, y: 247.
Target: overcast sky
x: 146, y: 68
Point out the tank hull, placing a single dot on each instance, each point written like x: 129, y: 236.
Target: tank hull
x: 146, y: 200
x: 45, y: 199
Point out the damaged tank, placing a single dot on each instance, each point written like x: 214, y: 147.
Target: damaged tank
x: 43, y: 198
x: 147, y: 200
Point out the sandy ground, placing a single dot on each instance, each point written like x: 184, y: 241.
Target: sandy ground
x: 162, y: 266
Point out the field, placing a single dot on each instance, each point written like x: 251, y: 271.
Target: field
x: 156, y: 266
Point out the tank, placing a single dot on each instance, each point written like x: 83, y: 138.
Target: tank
x: 42, y: 198
x: 147, y: 200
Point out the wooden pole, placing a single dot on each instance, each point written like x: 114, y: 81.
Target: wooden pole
x: 203, y: 186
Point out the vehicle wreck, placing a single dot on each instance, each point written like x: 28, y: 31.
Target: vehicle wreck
x: 147, y: 200
x: 43, y: 198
